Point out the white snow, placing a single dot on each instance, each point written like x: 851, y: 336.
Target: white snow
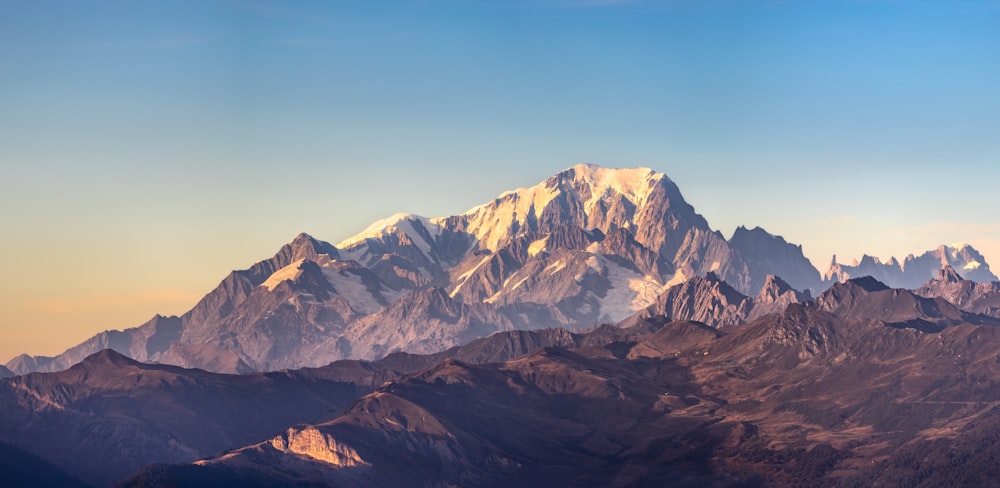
x: 555, y: 267
x: 677, y: 279
x: 348, y: 285
x: 462, y: 278
x: 352, y: 288
x: 491, y: 222
x: 635, y: 184
x: 519, y: 283
x: 538, y: 246
x: 629, y: 293
x: 403, y: 222
x: 505, y: 288
x: 594, y: 264
x: 972, y: 265
x: 289, y: 272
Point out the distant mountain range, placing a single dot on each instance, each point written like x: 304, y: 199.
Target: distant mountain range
x: 913, y: 271
x: 864, y: 385
x: 590, y: 245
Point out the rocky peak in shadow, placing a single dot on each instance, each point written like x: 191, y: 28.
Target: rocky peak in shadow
x: 970, y: 296
x: 767, y: 254
x: 866, y: 299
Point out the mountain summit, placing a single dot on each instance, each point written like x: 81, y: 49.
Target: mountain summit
x: 586, y: 246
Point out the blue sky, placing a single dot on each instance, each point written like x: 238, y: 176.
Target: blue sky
x: 147, y: 148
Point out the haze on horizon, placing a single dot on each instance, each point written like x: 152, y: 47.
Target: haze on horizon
x: 147, y: 149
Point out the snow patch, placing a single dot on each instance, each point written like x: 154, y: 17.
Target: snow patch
x: 351, y: 287
x: 678, y: 278
x: 594, y: 264
x: 629, y: 292
x: 519, y: 283
x: 462, y: 278
x: 555, y: 267
x: 290, y: 272
x: 538, y: 246
x: 971, y: 265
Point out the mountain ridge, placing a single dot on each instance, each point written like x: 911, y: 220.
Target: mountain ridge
x: 586, y: 246
x: 776, y: 401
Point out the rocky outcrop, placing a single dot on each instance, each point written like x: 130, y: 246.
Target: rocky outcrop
x: 314, y: 444
x: 970, y: 296
x: 708, y: 300
x: 866, y: 299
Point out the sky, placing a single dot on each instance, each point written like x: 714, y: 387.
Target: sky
x: 147, y: 148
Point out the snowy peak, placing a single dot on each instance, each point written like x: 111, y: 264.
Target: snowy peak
x: 588, y: 182
x: 635, y: 184
x: 590, y: 197
x: 914, y: 271
x: 421, y: 231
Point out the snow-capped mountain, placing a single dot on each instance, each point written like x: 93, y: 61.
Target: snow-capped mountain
x: 914, y: 271
x: 589, y: 245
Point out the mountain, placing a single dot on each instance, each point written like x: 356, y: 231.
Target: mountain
x: 813, y: 395
x: 971, y: 296
x: 866, y: 299
x: 915, y: 270
x: 21, y: 468
x: 589, y: 245
x: 5, y: 373
x: 765, y: 254
x: 710, y: 300
x: 110, y: 415
x: 204, y: 335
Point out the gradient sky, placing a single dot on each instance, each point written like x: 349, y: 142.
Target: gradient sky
x: 147, y: 148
